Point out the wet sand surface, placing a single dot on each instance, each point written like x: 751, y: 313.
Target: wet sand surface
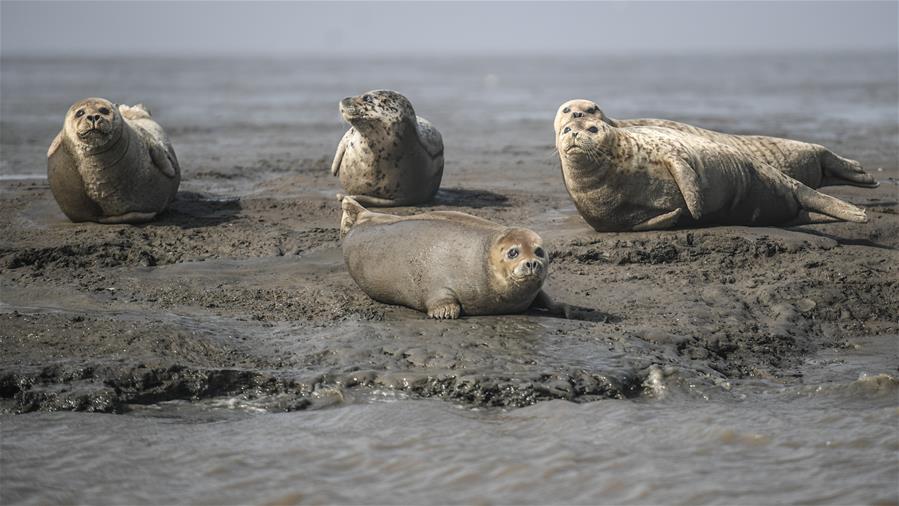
x: 228, y: 357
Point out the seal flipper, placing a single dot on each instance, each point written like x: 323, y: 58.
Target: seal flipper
x: 544, y: 302
x: 839, y: 170
x: 378, y: 201
x: 443, y: 306
x: 813, y: 201
x: 661, y: 222
x: 67, y: 186
x: 351, y: 211
x: 688, y: 182
x: 161, y: 161
x: 341, y: 149
x: 132, y: 217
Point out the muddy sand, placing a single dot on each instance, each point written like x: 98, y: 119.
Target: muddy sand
x: 239, y: 290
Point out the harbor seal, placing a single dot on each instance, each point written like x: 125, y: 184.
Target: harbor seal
x: 652, y: 178
x: 446, y: 263
x: 111, y: 164
x: 811, y: 164
x: 390, y: 156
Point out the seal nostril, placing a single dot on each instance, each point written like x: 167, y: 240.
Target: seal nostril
x: 578, y: 114
x: 574, y: 134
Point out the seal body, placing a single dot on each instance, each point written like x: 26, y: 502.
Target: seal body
x: 111, y: 164
x: 644, y: 178
x: 390, y: 156
x: 811, y: 164
x: 443, y: 263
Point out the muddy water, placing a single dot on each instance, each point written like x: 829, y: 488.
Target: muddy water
x: 223, y: 355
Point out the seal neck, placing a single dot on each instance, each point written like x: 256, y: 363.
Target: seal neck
x: 114, y: 151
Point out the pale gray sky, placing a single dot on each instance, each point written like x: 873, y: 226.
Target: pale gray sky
x: 384, y: 28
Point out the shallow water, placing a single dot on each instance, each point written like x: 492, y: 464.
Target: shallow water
x: 826, y: 431
x: 833, y: 441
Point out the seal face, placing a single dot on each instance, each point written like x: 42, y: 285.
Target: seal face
x: 390, y: 156
x: 643, y: 178
x: 810, y: 164
x: 111, y: 164
x: 443, y: 263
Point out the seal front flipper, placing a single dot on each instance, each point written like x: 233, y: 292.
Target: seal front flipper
x: 543, y: 302
x: 660, y: 222
x: 688, y: 182
x: 443, y: 306
x: 67, y: 185
x: 341, y: 149
x: 161, y: 161
x: 133, y: 217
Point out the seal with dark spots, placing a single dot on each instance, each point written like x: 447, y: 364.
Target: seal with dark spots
x: 111, y: 164
x: 811, y: 164
x: 650, y: 178
x: 390, y: 156
x: 445, y: 263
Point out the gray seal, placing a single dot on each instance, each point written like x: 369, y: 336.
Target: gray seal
x: 111, y: 164
x: 811, y: 164
x: 390, y: 156
x: 652, y: 178
x: 445, y: 263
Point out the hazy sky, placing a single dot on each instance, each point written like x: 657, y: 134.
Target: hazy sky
x: 279, y: 28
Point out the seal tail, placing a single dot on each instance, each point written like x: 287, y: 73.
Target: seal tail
x: 839, y: 170
x: 351, y: 212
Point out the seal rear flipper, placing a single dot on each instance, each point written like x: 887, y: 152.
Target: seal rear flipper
x: 133, y: 112
x: 379, y: 202
x: 816, y: 202
x: 351, y: 211
x: 67, y: 185
x: 840, y: 171
x: 688, y: 182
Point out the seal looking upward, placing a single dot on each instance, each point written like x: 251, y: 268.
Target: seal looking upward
x: 652, y: 178
x: 390, y: 156
x: 111, y: 164
x: 811, y: 164
x: 445, y: 263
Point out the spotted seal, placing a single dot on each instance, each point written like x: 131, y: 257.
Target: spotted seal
x: 111, y: 164
x: 645, y: 178
x: 811, y: 164
x: 390, y: 156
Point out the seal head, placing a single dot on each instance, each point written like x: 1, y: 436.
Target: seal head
x: 93, y: 124
x: 579, y: 108
x: 518, y: 260
x: 377, y: 106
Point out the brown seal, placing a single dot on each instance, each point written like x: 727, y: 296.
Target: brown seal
x: 390, y: 156
x: 645, y: 178
x: 811, y: 164
x: 111, y: 164
x: 445, y: 263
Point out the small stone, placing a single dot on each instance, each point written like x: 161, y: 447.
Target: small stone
x: 805, y: 305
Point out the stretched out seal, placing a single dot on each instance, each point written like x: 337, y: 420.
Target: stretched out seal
x: 111, y: 164
x: 390, y: 156
x: 445, y: 263
x: 811, y: 164
x: 650, y: 178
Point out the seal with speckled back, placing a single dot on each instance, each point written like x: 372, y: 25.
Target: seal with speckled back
x: 811, y: 164
x: 111, y: 164
x: 389, y: 156
x: 445, y: 263
x: 653, y: 178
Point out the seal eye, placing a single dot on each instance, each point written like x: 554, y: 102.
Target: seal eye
x: 104, y: 111
x: 80, y: 113
x: 566, y: 110
x: 512, y: 253
x: 366, y: 98
x: 567, y: 129
x: 593, y: 129
x: 539, y: 252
